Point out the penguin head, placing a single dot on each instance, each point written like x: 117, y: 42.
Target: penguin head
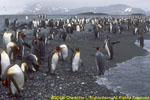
x: 15, y: 46
x: 108, y: 38
x: 34, y: 41
x: 23, y: 35
x: 97, y: 48
x: 77, y: 49
x: 40, y: 38
x: 58, y: 48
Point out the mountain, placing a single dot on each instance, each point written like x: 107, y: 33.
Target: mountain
x: 117, y: 9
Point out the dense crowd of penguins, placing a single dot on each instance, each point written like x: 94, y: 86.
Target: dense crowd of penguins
x: 13, y: 74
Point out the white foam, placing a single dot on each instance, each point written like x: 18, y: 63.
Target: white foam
x: 129, y: 77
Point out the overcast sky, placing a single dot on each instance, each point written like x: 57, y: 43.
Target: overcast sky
x: 12, y: 6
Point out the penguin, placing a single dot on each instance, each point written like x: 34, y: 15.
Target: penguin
x: 12, y: 50
x: 26, y: 70
x: 78, y: 28
x: 53, y: 60
x: 7, y: 38
x: 4, y: 62
x: 32, y: 62
x: 41, y: 49
x: 141, y: 39
x: 100, y: 61
x: 14, y: 79
x: 34, y: 48
x: 64, y: 51
x: 75, y: 60
x: 109, y: 47
x: 21, y: 43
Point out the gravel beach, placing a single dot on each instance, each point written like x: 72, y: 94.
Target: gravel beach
x: 83, y: 83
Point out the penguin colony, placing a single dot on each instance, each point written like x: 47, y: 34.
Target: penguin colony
x: 18, y: 58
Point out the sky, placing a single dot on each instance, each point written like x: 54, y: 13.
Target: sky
x: 13, y: 6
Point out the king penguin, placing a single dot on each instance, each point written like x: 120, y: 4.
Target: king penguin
x: 100, y: 61
x: 12, y: 50
x: 53, y: 60
x: 109, y: 47
x: 4, y: 62
x: 14, y: 79
x: 32, y: 62
x: 64, y: 51
x: 7, y: 38
x: 75, y: 61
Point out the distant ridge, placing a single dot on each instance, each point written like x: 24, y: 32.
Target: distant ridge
x: 116, y: 9
x: 92, y: 13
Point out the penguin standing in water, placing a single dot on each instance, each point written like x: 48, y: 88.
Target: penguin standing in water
x: 14, y: 79
x: 53, y: 60
x: 4, y: 62
x: 141, y: 39
x: 64, y: 51
x: 76, y: 61
x: 100, y: 61
x: 109, y: 47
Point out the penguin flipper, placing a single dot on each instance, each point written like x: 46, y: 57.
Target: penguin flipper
x: 115, y: 42
x: 14, y: 82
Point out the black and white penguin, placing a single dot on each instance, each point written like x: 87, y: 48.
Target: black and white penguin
x: 41, y: 49
x: 14, y: 79
x: 78, y: 29
x: 100, y: 61
x: 4, y: 62
x: 76, y: 61
x: 7, y: 37
x: 53, y: 60
x: 64, y: 51
x: 31, y: 61
x: 12, y: 50
x: 141, y: 39
x: 22, y: 44
x: 109, y: 47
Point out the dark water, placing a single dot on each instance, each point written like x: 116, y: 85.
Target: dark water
x: 131, y: 77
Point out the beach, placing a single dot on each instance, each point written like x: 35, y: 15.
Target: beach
x: 82, y: 83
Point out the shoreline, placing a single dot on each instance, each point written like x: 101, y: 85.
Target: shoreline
x: 82, y: 83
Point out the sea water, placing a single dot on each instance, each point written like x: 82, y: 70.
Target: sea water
x: 131, y: 77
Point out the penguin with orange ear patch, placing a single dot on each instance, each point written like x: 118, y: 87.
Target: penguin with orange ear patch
x: 53, y: 60
x: 4, y: 62
x: 76, y: 61
x: 100, y: 61
x: 12, y: 50
x: 32, y: 62
x: 7, y: 37
x: 13, y: 79
x: 41, y: 49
